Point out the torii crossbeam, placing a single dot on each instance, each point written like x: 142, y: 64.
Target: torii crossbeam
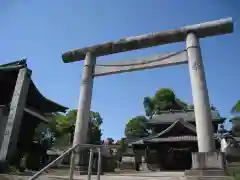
x: 202, y: 30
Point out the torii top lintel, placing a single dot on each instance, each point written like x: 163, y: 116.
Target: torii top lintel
x: 212, y: 28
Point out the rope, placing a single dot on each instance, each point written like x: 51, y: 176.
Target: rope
x: 140, y: 63
x: 178, y: 149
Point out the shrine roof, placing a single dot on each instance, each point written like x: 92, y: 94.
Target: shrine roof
x: 35, y: 100
x: 157, y: 137
x: 168, y: 117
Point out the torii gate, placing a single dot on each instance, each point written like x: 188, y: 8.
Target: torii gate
x: 191, y: 55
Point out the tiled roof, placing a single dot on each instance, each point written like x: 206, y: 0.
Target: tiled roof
x: 172, y: 139
x: 187, y: 116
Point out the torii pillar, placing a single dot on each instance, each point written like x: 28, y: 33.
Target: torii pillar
x: 84, y: 106
x: 203, y: 117
x: 207, y: 158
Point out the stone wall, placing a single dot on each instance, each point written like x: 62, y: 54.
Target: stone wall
x: 232, y: 154
x: 3, y: 122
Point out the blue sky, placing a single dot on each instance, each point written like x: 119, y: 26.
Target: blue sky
x: 42, y: 30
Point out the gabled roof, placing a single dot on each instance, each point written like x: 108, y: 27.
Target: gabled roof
x: 35, y: 100
x: 161, y: 134
x: 168, y: 117
x: 173, y: 125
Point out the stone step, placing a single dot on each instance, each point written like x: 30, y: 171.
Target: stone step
x: 205, y: 172
x: 207, y: 178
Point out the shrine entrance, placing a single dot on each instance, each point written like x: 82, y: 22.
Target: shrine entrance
x: 191, y: 55
x: 164, y: 160
x: 178, y: 155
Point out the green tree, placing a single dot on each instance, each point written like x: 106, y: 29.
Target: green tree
x: 149, y: 106
x: 95, y: 131
x: 180, y: 104
x: 236, y: 107
x: 164, y: 99
x: 62, y: 126
x: 235, y: 130
x: 123, y: 144
x: 44, y: 136
x: 212, y: 107
x: 58, y: 124
x: 122, y: 149
x: 136, y: 127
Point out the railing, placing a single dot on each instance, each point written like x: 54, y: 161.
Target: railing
x: 72, y: 166
x: 35, y: 176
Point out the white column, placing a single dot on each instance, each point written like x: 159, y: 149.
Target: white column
x: 201, y: 103
x: 83, y: 114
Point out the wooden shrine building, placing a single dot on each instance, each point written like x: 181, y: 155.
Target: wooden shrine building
x: 22, y: 108
x: 172, y: 140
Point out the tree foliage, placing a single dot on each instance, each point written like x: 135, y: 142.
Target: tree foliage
x: 164, y: 99
x: 43, y: 134
x: 235, y: 130
x: 149, y: 106
x: 236, y: 119
x: 62, y: 127
x: 122, y: 149
x: 236, y: 107
x: 95, y: 131
x: 136, y: 127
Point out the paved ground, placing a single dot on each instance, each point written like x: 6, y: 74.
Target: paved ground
x: 133, y: 176
x: 129, y: 176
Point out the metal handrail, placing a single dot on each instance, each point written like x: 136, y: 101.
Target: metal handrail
x: 35, y: 176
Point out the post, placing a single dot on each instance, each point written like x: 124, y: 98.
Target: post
x: 83, y: 114
x: 15, y: 115
x: 90, y: 164
x: 99, y: 170
x: 201, y: 103
x: 72, y: 165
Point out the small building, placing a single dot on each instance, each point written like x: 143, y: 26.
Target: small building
x: 22, y: 108
x: 173, y: 139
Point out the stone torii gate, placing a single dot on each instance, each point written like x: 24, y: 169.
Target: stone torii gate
x: 207, y: 157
